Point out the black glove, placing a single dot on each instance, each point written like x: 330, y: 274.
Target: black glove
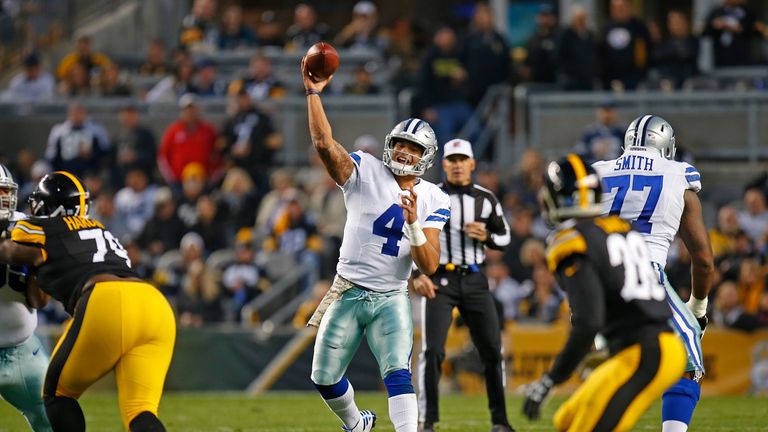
x: 703, y: 321
x: 535, y: 394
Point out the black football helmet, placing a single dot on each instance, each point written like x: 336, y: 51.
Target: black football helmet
x: 571, y: 190
x: 59, y: 194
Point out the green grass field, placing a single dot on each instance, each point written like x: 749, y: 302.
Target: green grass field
x: 295, y: 412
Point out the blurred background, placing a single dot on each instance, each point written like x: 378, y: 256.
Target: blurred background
x: 187, y: 122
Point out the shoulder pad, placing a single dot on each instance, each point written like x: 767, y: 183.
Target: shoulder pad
x: 28, y: 233
x: 564, y: 244
x: 612, y: 224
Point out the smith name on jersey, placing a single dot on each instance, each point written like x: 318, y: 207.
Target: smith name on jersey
x: 74, y: 249
x: 376, y: 250
x: 646, y: 188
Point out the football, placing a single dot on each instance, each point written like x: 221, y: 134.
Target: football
x: 322, y: 60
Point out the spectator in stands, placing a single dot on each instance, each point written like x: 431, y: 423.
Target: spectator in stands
x: 754, y: 218
x: 188, y: 140
x: 77, y: 145
x: 486, y: 54
x: 241, y: 197
x: 269, y: 33
x: 260, y: 83
x: 326, y: 205
x: 541, y: 47
x: 192, y: 188
x: 77, y: 82
x: 32, y: 85
x: 305, y: 30
x: 140, y: 262
x: 442, y: 86
x: 577, y: 53
x: 363, y: 32
x: 625, y: 51
x: 164, y: 230
x: 362, y: 84
x: 172, y: 87
x: 723, y: 236
x: 241, y: 279
x: 308, y: 306
x: 728, y: 312
x: 546, y: 302
x: 732, y: 29
x: 198, y: 30
x: 207, y: 83
x: 40, y: 168
x: 249, y: 140
x: 211, y: 224
x: 200, y: 297
x: 83, y: 55
x: 234, y: 33
x: 604, y: 139
x: 156, y: 61
x: 282, y: 190
x: 136, y: 201
x: 407, y: 42
x: 521, y: 224
x: 524, y: 186
x: 751, y: 284
x: 112, y: 84
x: 104, y: 212
x: 507, y: 291
x: 135, y: 144
x: 677, y: 56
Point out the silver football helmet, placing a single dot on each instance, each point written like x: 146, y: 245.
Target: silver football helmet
x: 418, y: 132
x: 8, y: 202
x: 651, y: 131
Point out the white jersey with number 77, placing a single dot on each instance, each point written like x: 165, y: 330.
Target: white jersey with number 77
x: 644, y: 187
x: 376, y: 250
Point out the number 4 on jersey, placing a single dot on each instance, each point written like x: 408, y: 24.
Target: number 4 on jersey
x: 390, y: 226
x: 102, y: 238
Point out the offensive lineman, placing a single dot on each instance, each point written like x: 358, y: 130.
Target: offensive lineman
x: 387, y: 206
x: 22, y: 359
x: 647, y: 186
x: 119, y: 323
x: 612, y: 288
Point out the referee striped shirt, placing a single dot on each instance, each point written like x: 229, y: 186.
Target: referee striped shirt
x: 471, y: 203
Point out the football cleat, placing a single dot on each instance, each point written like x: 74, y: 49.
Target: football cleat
x: 367, y: 422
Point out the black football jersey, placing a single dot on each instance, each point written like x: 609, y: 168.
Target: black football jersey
x: 74, y: 249
x: 634, y: 295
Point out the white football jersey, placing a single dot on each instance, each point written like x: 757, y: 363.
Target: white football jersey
x: 17, y: 321
x: 376, y: 249
x: 644, y: 187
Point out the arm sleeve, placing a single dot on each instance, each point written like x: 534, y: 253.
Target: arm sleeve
x: 440, y: 211
x: 498, y: 228
x: 585, y: 294
x: 692, y: 178
x: 358, y: 159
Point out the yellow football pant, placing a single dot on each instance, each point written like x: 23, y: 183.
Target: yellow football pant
x: 125, y: 326
x: 619, y: 391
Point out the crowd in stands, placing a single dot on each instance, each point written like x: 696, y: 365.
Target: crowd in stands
x: 205, y: 212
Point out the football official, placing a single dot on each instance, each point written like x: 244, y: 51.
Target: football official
x: 476, y: 221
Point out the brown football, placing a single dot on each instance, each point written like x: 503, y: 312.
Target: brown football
x: 322, y: 60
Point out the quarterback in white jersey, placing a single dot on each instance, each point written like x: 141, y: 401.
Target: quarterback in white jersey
x: 22, y: 360
x: 394, y: 220
x: 659, y: 195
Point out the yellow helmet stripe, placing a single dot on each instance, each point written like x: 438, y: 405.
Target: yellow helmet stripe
x: 581, y: 171
x: 80, y: 189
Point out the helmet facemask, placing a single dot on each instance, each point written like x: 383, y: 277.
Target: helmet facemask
x: 10, y: 194
x: 415, y: 131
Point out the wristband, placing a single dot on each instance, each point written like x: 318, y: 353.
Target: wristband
x: 311, y: 92
x: 417, y: 234
x: 698, y: 307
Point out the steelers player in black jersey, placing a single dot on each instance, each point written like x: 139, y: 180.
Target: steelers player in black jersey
x: 612, y: 288
x: 119, y: 323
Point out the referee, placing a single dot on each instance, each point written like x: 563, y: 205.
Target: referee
x: 476, y: 221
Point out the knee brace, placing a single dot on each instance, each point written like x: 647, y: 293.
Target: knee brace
x: 64, y: 414
x: 679, y: 401
x: 398, y: 382
x: 146, y: 422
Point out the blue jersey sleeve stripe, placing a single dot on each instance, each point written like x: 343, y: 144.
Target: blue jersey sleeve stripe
x: 693, y: 178
x: 443, y: 211
x: 434, y: 218
x: 690, y: 169
x: 356, y: 158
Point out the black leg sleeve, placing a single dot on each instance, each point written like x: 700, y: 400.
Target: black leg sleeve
x: 146, y: 422
x: 64, y: 414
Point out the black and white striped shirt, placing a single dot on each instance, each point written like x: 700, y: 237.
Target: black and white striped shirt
x: 471, y: 203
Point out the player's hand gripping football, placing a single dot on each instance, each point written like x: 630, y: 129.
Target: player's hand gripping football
x: 535, y: 394
x: 312, y: 83
x: 424, y: 286
x: 408, y: 203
